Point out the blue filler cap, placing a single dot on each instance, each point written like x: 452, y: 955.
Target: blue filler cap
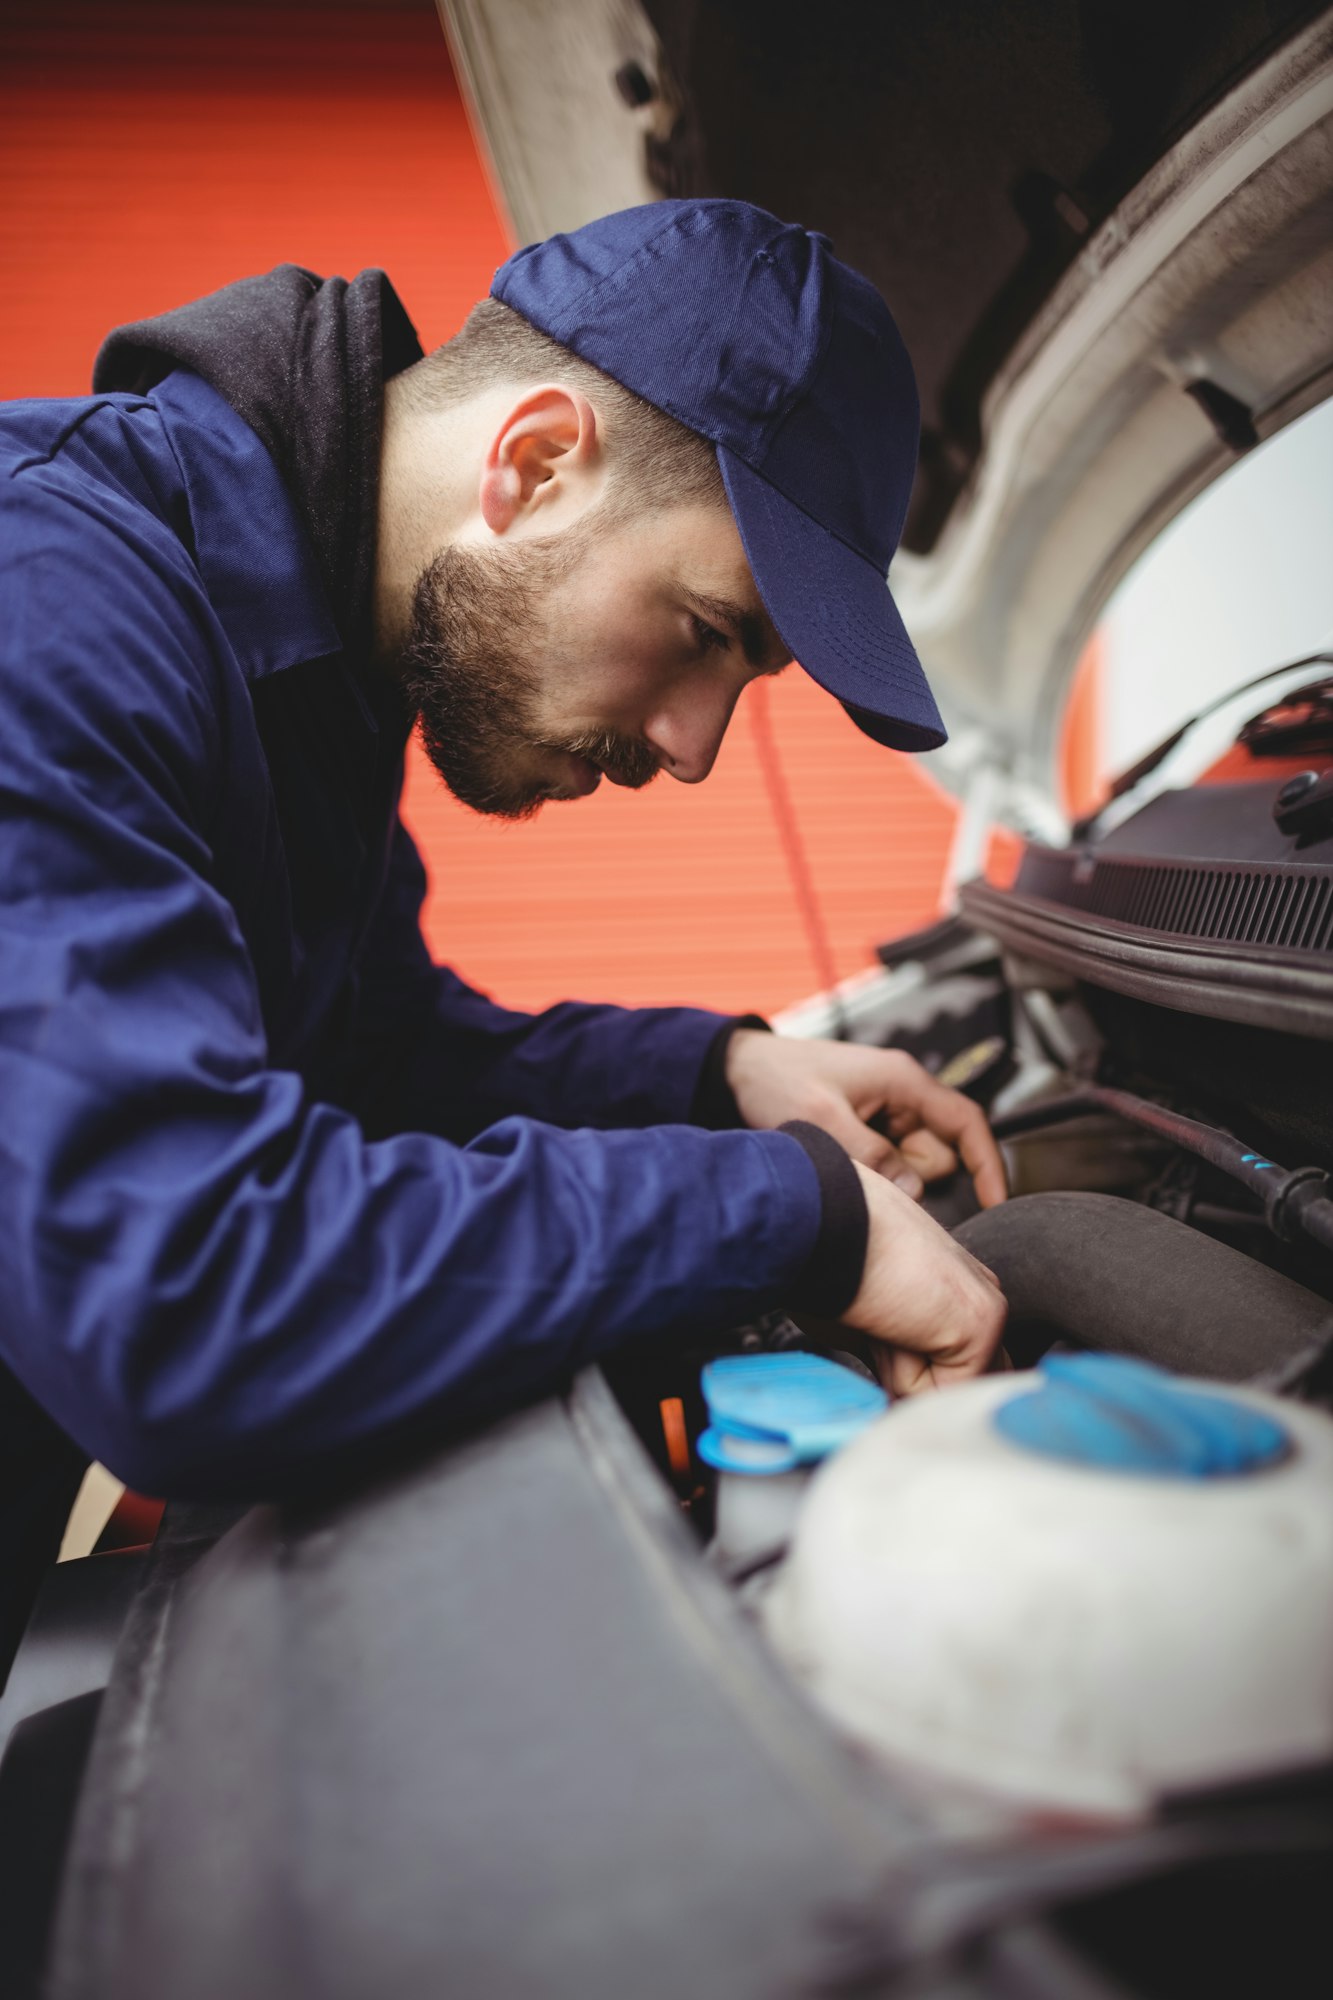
x: 1126, y: 1416
x: 773, y: 1412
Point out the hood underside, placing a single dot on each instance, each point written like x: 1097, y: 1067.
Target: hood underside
x: 1106, y: 231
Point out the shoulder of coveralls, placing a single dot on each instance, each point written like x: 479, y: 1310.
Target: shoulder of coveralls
x: 185, y: 478
x: 151, y: 564
x: 108, y: 655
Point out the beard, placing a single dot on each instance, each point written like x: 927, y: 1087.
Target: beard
x: 478, y: 643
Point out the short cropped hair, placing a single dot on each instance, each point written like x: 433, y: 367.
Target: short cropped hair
x: 654, y: 461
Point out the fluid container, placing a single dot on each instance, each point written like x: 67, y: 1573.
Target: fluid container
x: 1073, y: 1589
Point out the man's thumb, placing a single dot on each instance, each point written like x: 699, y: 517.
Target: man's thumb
x: 873, y: 1150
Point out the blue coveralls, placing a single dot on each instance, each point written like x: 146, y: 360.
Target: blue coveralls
x: 272, y: 1185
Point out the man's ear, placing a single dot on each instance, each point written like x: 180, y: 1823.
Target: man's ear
x: 544, y: 461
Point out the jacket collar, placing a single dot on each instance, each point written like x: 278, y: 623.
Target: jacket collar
x: 249, y: 545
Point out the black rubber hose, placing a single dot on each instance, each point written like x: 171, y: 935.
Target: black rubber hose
x: 1313, y: 1213
x: 1103, y: 1272
x: 1295, y: 1200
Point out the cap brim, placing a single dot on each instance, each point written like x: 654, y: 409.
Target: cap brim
x: 834, y: 610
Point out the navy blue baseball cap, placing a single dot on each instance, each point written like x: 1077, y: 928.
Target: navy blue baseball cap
x: 752, y: 333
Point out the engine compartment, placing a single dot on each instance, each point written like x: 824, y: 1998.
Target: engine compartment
x: 1147, y: 1018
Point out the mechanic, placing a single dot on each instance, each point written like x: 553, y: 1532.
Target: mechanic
x: 277, y: 1189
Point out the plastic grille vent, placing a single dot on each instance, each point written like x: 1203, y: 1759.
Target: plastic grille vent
x: 1285, y: 909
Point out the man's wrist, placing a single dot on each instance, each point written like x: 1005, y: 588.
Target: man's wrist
x: 714, y: 1104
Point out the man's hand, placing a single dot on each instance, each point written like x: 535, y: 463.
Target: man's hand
x: 842, y: 1086
x: 937, y: 1311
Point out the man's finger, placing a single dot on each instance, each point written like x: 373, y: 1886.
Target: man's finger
x: 871, y: 1148
x: 904, y: 1175
x: 931, y: 1157
x: 955, y: 1118
x: 909, y: 1374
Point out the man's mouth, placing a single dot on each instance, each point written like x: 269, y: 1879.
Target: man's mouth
x: 625, y: 764
x: 586, y: 776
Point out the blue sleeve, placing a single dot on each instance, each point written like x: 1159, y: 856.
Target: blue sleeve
x: 433, y: 1054
x: 215, y: 1285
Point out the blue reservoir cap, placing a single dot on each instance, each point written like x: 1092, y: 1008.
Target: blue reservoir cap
x: 1127, y: 1416
x: 726, y: 1451
x: 771, y: 1412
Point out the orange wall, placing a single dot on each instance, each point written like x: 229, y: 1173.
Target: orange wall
x: 151, y: 152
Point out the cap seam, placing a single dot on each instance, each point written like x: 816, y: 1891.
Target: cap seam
x: 670, y: 409
x: 785, y: 408
x: 594, y: 291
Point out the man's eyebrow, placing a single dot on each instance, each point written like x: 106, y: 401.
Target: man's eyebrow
x: 754, y: 630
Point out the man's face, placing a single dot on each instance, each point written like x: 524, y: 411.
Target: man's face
x: 615, y: 648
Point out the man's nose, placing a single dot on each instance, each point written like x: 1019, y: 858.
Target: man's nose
x: 687, y: 734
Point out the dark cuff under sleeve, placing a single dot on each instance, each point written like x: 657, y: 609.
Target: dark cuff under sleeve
x: 714, y: 1106
x: 832, y: 1277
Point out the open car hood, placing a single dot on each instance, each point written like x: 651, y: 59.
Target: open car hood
x: 1107, y: 237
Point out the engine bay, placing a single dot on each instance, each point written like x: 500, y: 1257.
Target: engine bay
x: 1147, y: 1017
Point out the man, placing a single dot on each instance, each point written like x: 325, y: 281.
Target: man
x: 275, y: 1188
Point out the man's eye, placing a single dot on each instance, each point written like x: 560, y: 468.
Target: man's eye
x: 707, y: 637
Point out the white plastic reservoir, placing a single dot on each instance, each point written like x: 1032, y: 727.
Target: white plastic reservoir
x: 1074, y: 1605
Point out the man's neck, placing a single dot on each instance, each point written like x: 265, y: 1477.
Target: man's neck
x: 429, y: 469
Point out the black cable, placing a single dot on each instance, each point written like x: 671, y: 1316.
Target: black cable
x: 1220, y: 1217
x: 1161, y: 751
x: 1295, y: 1200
